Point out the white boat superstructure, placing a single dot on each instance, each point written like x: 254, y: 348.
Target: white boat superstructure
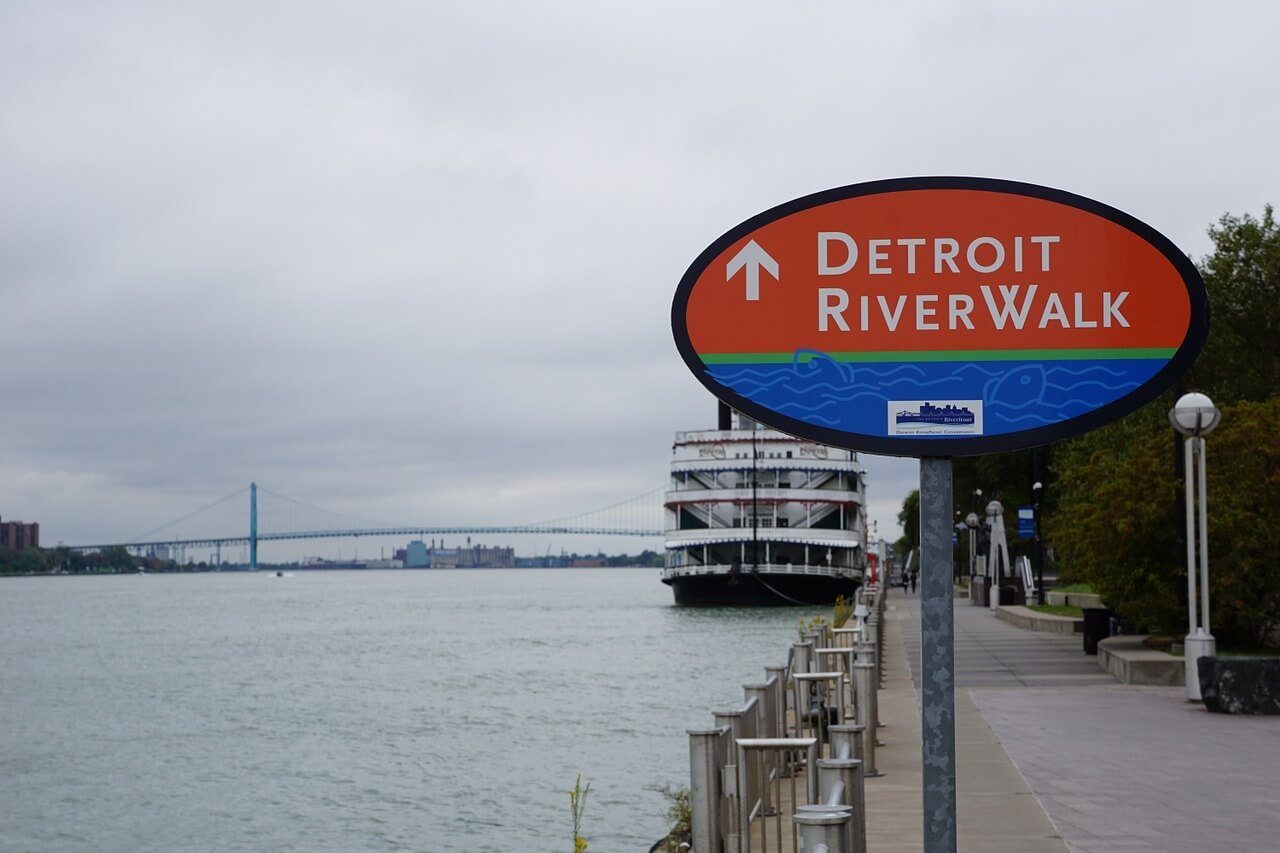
x: 756, y: 516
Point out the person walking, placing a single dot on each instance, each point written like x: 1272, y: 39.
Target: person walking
x: 906, y: 579
x: 913, y: 580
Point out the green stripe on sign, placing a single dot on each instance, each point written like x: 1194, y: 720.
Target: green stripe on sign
x: 944, y: 355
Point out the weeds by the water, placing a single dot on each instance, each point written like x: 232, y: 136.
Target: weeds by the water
x: 578, y: 804
x: 803, y: 627
x: 843, y: 610
x: 679, y: 812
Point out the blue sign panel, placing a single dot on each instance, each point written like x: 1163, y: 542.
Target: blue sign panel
x: 1026, y: 522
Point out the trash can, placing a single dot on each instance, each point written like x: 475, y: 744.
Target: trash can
x: 1097, y: 626
x: 978, y: 590
x: 1008, y: 596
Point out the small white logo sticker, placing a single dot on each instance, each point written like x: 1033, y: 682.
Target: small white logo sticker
x: 935, y: 417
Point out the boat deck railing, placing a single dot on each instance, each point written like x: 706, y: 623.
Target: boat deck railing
x: 843, y: 572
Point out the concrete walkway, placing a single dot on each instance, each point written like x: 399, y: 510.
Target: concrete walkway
x: 993, y: 653
x: 988, y: 783
x: 1126, y: 768
x: 1116, y: 767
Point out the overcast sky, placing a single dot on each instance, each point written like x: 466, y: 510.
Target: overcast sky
x: 414, y: 261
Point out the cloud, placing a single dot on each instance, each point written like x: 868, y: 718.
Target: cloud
x: 416, y: 262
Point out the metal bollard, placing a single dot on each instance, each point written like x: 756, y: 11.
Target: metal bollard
x: 864, y: 690
x: 818, y: 808
x: 840, y: 783
x: 823, y: 831
x: 846, y: 740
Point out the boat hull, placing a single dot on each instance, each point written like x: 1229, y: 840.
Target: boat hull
x: 751, y: 589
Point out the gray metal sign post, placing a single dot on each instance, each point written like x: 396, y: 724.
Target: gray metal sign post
x: 937, y: 668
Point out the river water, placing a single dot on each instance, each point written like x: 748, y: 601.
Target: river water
x: 357, y: 711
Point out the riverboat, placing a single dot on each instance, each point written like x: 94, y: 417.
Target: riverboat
x: 757, y: 517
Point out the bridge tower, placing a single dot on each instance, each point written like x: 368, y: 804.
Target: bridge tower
x: 253, y: 527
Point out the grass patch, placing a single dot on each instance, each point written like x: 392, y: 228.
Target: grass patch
x: 1057, y: 609
x: 1074, y: 587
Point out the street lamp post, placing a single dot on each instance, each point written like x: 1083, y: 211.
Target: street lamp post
x: 1037, y: 495
x: 997, y: 552
x: 960, y: 527
x: 971, y: 522
x: 1195, y: 416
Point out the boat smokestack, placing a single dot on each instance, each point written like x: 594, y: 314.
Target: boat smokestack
x: 726, y: 417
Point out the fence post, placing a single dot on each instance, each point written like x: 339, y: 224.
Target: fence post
x: 704, y: 789
x: 865, y: 693
x: 733, y: 721
x: 777, y: 679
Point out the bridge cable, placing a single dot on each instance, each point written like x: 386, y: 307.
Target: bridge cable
x: 613, y: 506
x: 322, y: 509
x: 221, y: 500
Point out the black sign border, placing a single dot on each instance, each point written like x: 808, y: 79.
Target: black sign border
x: 1187, y: 351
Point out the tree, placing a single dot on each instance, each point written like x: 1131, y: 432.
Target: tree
x: 1117, y: 527
x: 909, y: 518
x: 1117, y: 524
x: 1241, y: 358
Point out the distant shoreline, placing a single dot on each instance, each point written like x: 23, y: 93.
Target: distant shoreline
x: 318, y: 569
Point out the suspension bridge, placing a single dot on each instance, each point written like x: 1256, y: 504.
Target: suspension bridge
x: 289, y: 519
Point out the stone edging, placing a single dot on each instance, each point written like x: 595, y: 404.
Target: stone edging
x: 1030, y: 620
x: 1131, y: 662
x: 1073, y: 599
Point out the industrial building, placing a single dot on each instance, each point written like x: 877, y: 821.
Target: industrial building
x: 418, y: 555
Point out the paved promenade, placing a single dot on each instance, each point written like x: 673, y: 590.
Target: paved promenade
x: 992, y: 653
x: 988, y: 781
x: 1116, y: 768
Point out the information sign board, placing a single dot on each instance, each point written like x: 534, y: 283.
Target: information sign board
x: 1026, y: 522
x: 939, y: 316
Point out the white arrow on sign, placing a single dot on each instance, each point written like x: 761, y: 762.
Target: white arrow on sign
x: 752, y: 258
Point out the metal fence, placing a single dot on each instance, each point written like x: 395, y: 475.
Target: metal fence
x: 795, y: 724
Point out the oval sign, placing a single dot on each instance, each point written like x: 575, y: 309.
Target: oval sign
x: 939, y: 316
